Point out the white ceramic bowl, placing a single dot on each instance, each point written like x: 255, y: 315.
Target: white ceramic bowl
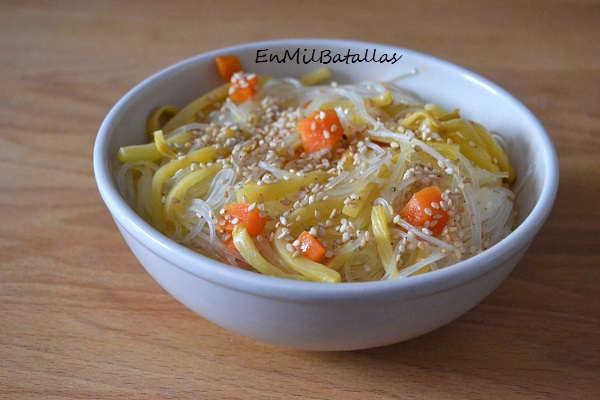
x: 321, y: 316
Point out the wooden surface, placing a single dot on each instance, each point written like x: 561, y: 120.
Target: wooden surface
x: 80, y: 318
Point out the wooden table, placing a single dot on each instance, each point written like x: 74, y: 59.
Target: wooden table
x: 80, y: 318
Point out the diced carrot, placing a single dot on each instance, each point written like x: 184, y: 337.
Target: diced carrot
x: 243, y: 86
x: 310, y: 247
x: 424, y: 206
x: 239, y: 213
x: 320, y: 130
x: 227, y: 66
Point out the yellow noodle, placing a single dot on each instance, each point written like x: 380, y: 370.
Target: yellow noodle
x: 177, y: 193
x: 244, y: 244
x: 315, y: 271
x: 207, y: 154
x: 188, y: 113
x: 159, y: 118
x: 148, y: 151
x: 379, y: 224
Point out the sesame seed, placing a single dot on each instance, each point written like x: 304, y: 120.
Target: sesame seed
x: 296, y: 254
x: 290, y: 247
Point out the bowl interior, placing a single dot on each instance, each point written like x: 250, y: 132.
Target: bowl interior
x: 529, y: 148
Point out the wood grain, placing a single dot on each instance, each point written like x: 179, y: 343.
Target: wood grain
x: 80, y: 318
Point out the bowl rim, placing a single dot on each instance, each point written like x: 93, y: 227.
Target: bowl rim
x: 265, y: 286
